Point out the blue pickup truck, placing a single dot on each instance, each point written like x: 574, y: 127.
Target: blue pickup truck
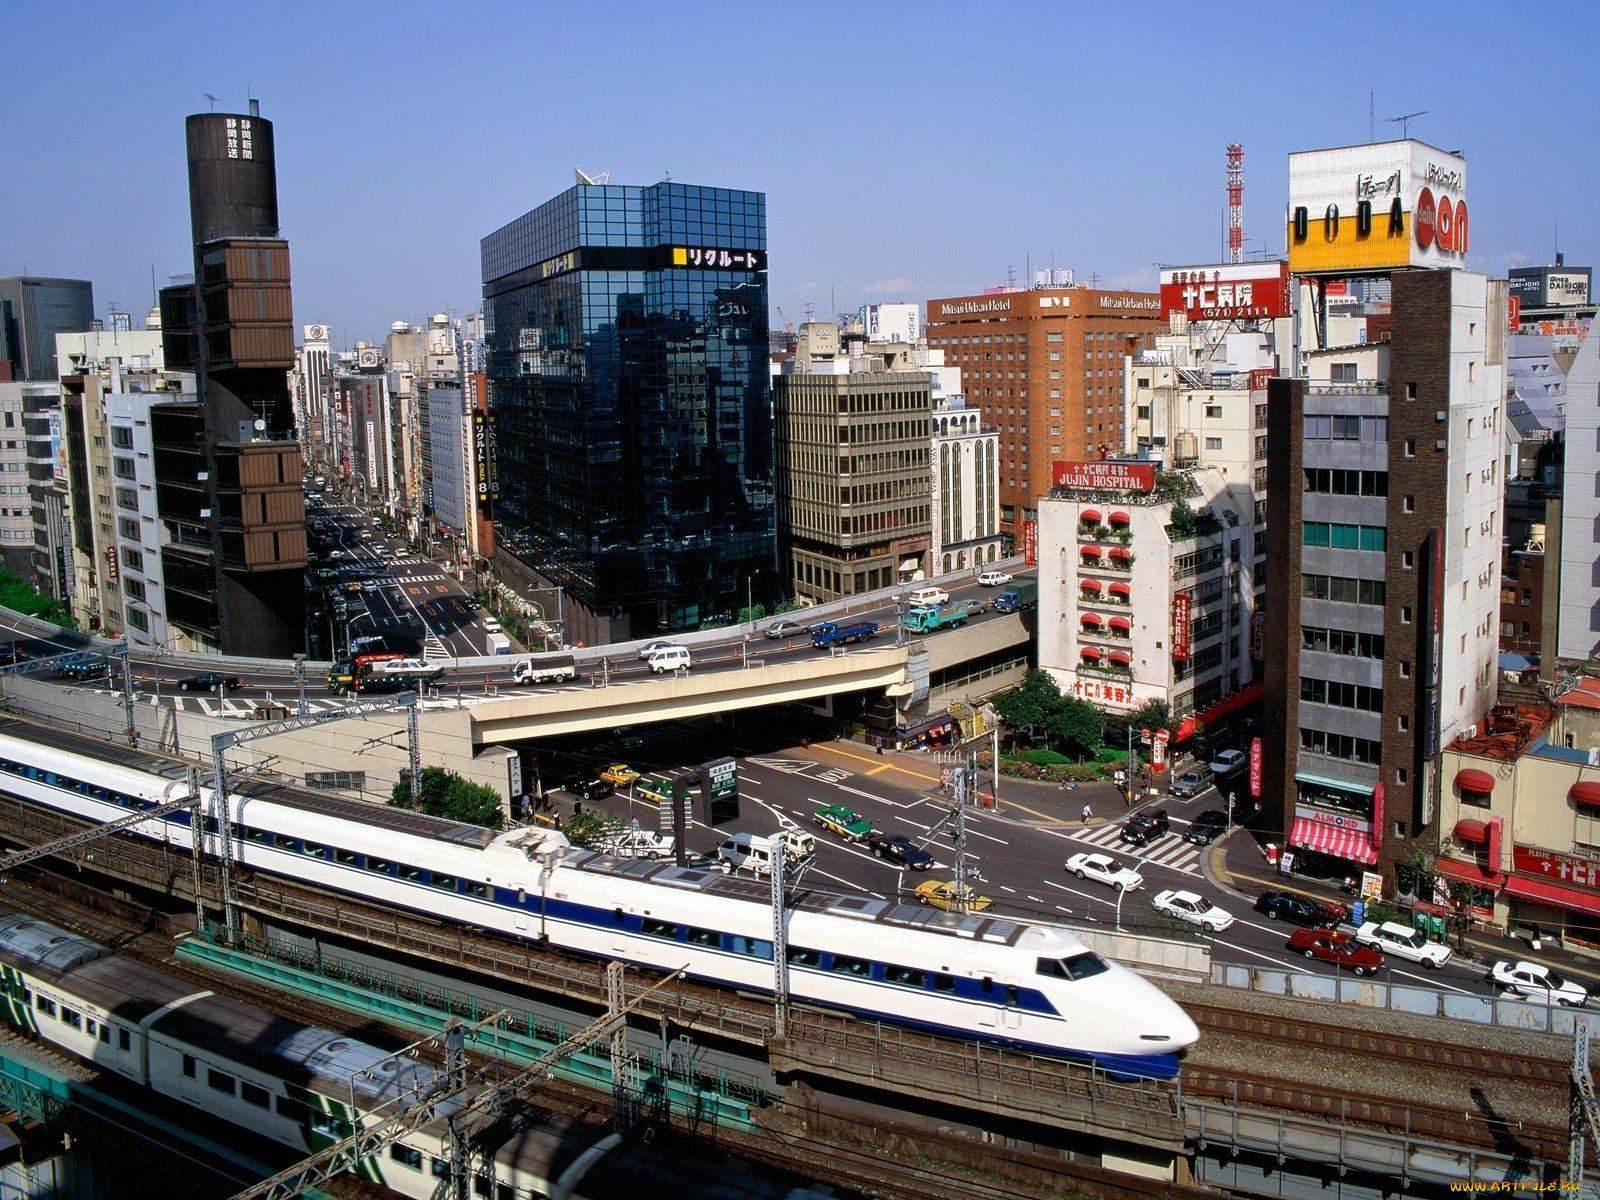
x: 829, y: 634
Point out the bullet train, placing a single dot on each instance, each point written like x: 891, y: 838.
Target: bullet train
x: 1035, y: 988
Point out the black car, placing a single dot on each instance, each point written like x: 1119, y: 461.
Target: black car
x: 1298, y: 910
x: 588, y: 789
x: 1207, y: 827
x: 210, y: 681
x: 80, y: 668
x: 897, y: 848
x: 1144, y: 828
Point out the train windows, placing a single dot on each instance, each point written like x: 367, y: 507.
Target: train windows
x: 46, y: 1006
x: 754, y: 947
x: 406, y: 1156
x: 282, y: 842
x: 259, y: 835
x: 444, y: 882
x: 71, y: 1016
x: 189, y: 1067
x: 104, y: 1033
x: 480, y: 890
x: 312, y: 850
x: 650, y: 927
x: 293, y: 1110
x: 703, y: 937
x: 1013, y: 993
x: 480, y: 1185
x: 124, y: 1040
x: 804, y: 958
x: 254, y: 1095
x: 329, y: 1126
x: 348, y: 858
x: 904, y: 976
x: 858, y: 967
x: 381, y: 866
x: 441, y: 1168
x: 219, y: 1081
x: 1082, y: 966
x: 988, y: 983
x: 410, y: 874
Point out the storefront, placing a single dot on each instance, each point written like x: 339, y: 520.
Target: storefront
x: 1557, y: 892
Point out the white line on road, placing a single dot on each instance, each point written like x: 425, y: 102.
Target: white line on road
x: 971, y: 832
x: 1004, y: 888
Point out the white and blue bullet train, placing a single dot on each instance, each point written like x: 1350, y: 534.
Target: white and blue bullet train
x: 1032, y: 987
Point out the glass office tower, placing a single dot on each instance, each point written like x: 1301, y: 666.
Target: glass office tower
x: 627, y: 331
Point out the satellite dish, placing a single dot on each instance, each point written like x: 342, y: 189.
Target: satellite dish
x: 260, y: 425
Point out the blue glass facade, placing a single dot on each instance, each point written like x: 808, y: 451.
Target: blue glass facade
x: 627, y: 331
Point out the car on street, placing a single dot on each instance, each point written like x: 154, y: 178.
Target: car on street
x: 645, y: 651
x: 369, y: 585
x: 901, y: 850
x: 1144, y: 828
x: 942, y: 893
x: 335, y: 553
x: 1193, y: 908
x: 1102, y: 868
x: 1191, y: 783
x: 994, y: 579
x: 1404, y: 942
x: 210, y: 681
x: 588, y: 789
x: 1298, y: 910
x: 80, y: 668
x: 787, y: 629
x: 1226, y: 762
x: 638, y: 843
x: 1340, y: 949
x: 620, y: 774
x: 845, y: 822
x: 1206, y: 827
x: 1541, y: 985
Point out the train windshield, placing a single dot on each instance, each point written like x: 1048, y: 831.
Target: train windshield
x: 1075, y: 967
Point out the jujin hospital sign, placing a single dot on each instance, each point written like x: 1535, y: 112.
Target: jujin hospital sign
x: 1104, y: 476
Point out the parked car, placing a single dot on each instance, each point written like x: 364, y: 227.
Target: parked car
x: 1206, y: 827
x: 1102, y: 868
x: 619, y: 774
x: 588, y: 789
x: 1144, y: 828
x: 845, y: 822
x: 1226, y: 762
x: 1404, y: 942
x: 787, y: 629
x: 941, y: 893
x: 994, y: 579
x: 1340, y: 949
x: 1191, y: 783
x: 1193, y: 908
x: 899, y: 849
x: 1298, y: 910
x: 638, y: 843
x: 210, y: 681
x: 1537, y: 983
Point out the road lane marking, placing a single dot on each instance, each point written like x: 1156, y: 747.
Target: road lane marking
x: 1004, y: 888
x: 876, y: 770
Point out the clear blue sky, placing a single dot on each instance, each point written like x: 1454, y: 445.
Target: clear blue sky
x: 907, y: 150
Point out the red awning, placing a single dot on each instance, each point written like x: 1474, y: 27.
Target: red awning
x: 1090, y: 552
x: 1121, y: 552
x: 1090, y: 516
x: 1121, y: 589
x: 1353, y: 844
x: 1469, y: 873
x: 1186, y: 729
x: 1118, y: 658
x: 1090, y: 585
x: 1524, y: 887
x: 1474, y: 832
x: 1121, y: 623
x: 1091, y: 620
x: 1120, y: 518
x: 1249, y: 694
x: 1089, y: 654
x: 1479, y: 783
x: 1585, y: 794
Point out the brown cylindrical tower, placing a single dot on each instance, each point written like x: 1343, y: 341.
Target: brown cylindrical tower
x: 233, y: 177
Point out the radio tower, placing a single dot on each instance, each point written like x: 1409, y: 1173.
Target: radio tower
x: 1235, y: 202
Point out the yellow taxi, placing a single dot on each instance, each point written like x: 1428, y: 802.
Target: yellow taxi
x: 942, y: 893
x: 619, y: 774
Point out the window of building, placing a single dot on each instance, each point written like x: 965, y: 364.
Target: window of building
x: 1213, y: 443
x: 1213, y: 412
x: 122, y: 437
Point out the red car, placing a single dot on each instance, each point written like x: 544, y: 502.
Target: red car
x: 1340, y: 949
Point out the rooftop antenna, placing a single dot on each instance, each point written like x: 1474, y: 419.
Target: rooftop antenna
x: 598, y: 179
x: 1404, y: 121
x: 213, y: 100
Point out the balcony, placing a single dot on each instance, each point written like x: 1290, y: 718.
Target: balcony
x: 1115, y: 664
x: 1348, y: 387
x: 1117, y: 629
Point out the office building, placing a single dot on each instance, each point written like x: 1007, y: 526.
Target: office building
x: 964, y: 530
x: 32, y: 311
x: 1046, y: 365
x: 627, y: 334
x: 310, y: 381
x: 16, y: 505
x: 854, y: 438
x: 228, y: 466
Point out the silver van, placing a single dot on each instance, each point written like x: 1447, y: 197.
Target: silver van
x: 670, y: 658
x: 746, y: 852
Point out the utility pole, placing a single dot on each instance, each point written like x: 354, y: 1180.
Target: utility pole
x: 1127, y: 782
x: 300, y: 678
x: 414, y: 741
x: 964, y: 777
x: 780, y: 946
x: 127, y: 691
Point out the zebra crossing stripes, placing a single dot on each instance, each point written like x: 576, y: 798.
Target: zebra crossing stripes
x: 433, y: 647
x: 1169, y: 850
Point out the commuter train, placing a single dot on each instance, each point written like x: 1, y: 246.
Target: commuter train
x: 299, y: 1085
x: 1032, y: 987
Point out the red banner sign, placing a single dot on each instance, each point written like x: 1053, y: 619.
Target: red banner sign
x: 1030, y: 542
x: 1514, y: 312
x: 1180, y: 626
x: 1255, y: 767
x: 1158, y: 750
x: 1227, y: 291
x: 1258, y: 635
x: 1558, y: 868
x: 111, y: 562
x: 1104, y: 476
x: 1259, y: 378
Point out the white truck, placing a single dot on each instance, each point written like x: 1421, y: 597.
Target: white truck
x: 548, y: 668
x: 499, y: 643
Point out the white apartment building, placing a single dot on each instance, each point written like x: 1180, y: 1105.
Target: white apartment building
x: 966, y: 487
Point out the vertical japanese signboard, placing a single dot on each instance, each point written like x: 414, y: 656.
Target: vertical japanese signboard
x: 1181, y: 602
x: 720, y: 790
x: 1255, y: 768
x: 1030, y: 542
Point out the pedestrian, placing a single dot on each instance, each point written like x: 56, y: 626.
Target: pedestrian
x: 878, y: 742
x: 1087, y: 813
x: 634, y: 824
x: 1535, y: 939
x: 527, y: 808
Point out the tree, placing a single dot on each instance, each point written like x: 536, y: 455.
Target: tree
x: 1184, y: 524
x: 591, y: 827
x: 451, y: 796
x: 1076, y: 727
x: 1030, y: 704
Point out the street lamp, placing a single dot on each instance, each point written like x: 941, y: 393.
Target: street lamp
x: 899, y: 620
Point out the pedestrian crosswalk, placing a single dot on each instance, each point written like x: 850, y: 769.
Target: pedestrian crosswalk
x: 435, y: 578
x: 433, y: 647
x: 1169, y: 850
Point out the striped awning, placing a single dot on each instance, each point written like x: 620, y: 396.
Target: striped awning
x: 1335, y: 840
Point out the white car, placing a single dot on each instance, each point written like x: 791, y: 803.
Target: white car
x: 1102, y: 868
x: 1193, y: 908
x: 1404, y: 942
x: 1539, y: 984
x: 994, y: 579
x: 639, y: 843
x: 649, y: 648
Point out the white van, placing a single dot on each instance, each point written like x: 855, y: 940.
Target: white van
x: 490, y: 625
x: 752, y: 852
x: 670, y: 658
x: 927, y: 595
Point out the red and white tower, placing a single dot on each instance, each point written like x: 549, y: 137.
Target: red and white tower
x: 1235, y: 202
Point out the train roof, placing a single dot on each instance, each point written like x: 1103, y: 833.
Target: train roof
x: 28, y: 941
